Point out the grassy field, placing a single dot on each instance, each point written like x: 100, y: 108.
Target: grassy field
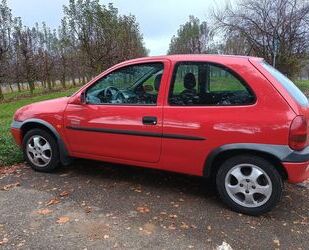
x: 9, y: 152
x: 303, y: 85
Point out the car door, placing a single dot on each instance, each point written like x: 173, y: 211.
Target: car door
x: 122, y: 115
x: 207, y: 107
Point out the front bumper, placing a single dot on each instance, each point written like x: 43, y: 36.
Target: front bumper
x: 297, y: 171
x: 16, y: 132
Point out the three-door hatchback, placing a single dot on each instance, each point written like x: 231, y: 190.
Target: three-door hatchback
x: 236, y: 120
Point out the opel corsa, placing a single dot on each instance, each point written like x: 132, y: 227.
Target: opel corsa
x: 233, y: 119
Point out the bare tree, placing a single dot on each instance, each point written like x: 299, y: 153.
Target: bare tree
x: 6, y: 23
x: 91, y: 38
x: 273, y: 29
x: 27, y: 39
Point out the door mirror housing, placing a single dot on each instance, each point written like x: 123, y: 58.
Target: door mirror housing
x: 79, y: 99
x: 82, y: 97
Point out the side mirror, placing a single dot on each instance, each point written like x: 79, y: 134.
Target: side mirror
x: 83, y: 97
x: 78, y: 99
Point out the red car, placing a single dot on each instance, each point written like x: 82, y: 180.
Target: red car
x: 234, y: 119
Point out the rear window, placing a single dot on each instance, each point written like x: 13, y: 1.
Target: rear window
x: 293, y: 90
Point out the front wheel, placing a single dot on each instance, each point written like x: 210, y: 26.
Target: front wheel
x: 249, y: 184
x: 41, y: 150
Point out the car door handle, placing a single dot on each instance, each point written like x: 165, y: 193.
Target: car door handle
x: 150, y: 120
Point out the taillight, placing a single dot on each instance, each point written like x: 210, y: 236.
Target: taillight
x: 298, y: 133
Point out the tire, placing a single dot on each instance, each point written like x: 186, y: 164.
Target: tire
x: 41, y: 151
x: 249, y: 184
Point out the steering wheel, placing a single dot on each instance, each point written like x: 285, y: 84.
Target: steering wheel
x: 114, y: 95
x: 109, y: 92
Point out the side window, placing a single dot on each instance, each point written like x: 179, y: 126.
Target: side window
x: 222, y: 80
x: 132, y: 85
x: 206, y: 84
x: 189, y: 72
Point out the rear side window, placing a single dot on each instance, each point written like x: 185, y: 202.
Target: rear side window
x: 293, y: 90
x: 182, y: 70
x: 222, y: 80
x: 207, y: 84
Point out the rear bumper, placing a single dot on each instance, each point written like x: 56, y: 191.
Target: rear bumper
x: 296, y: 165
x: 297, y: 171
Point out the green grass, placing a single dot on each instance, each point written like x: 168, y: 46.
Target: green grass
x: 9, y: 152
x: 303, y: 85
x: 24, y: 93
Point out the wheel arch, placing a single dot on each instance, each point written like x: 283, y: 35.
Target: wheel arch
x: 41, y: 124
x: 273, y: 153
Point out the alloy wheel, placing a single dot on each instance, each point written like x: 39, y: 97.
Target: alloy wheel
x: 39, y: 151
x: 248, y: 185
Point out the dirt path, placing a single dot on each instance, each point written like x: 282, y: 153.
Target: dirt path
x: 93, y: 205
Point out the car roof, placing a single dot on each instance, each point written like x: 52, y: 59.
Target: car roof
x: 194, y: 57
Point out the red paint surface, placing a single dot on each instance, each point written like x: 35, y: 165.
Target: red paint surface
x: 297, y: 172
x: 267, y: 121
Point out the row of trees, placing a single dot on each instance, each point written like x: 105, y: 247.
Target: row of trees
x: 277, y: 30
x: 91, y: 38
x: 193, y: 37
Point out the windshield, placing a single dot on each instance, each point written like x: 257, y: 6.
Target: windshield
x: 293, y: 90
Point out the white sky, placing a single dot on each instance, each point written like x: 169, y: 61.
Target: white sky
x: 159, y: 19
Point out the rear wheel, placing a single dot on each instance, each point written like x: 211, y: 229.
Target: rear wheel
x: 41, y: 150
x: 249, y: 184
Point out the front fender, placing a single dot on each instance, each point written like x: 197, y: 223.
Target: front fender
x: 64, y: 155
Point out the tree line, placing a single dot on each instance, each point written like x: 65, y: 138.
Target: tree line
x: 91, y: 38
x: 277, y: 30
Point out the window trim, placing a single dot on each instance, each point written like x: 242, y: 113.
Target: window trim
x: 126, y: 104
x: 234, y: 73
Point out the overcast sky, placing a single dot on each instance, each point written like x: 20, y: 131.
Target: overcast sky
x: 158, y: 19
